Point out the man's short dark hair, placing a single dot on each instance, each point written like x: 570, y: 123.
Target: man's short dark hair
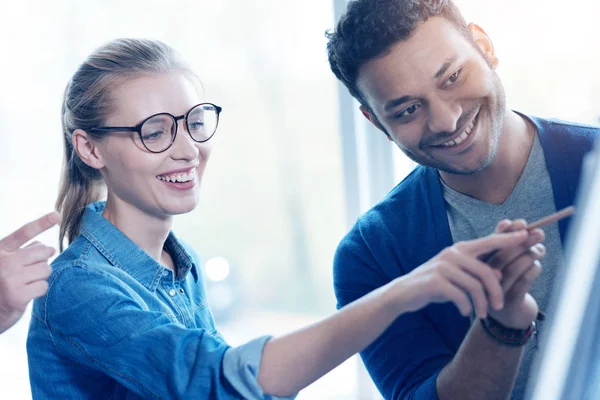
x: 368, y: 29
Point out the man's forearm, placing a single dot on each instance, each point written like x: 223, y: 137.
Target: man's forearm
x: 482, y: 369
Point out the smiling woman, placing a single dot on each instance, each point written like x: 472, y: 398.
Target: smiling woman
x: 90, y: 147
x: 137, y: 284
x: 272, y: 202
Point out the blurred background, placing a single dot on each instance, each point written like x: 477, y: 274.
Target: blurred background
x: 293, y: 163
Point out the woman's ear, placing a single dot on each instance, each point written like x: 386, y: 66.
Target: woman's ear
x: 485, y: 43
x: 87, y: 149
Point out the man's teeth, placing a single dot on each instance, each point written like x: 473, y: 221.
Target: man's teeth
x: 180, y: 177
x: 463, y: 136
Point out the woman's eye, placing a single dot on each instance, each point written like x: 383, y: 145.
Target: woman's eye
x: 196, y: 125
x: 152, y: 136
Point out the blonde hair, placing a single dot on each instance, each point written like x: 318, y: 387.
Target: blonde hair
x: 86, y: 104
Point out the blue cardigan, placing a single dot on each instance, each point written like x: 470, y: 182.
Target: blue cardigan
x: 406, y: 229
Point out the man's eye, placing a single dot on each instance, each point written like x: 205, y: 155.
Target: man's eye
x: 453, y: 78
x: 408, y: 111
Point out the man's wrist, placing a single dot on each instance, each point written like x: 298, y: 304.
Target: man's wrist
x: 505, y: 335
x: 511, y: 319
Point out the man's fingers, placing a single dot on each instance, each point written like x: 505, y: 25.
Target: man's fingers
x: 536, y: 235
x: 516, y: 225
x: 495, y: 241
x: 503, y: 258
x: 506, y: 225
x: 457, y: 296
x: 37, y: 272
x: 521, y: 265
x: 29, y: 231
x: 503, y: 226
x: 29, y: 255
x: 36, y: 289
x: 523, y: 285
x: 540, y: 250
x: 488, y: 277
x: 473, y: 287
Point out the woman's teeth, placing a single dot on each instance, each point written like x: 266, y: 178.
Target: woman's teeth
x: 180, y: 177
x: 463, y: 136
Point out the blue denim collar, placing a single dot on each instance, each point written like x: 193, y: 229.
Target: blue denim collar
x: 123, y: 253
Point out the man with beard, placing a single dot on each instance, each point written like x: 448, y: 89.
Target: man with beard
x: 427, y: 80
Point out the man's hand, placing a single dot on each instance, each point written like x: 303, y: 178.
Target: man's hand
x: 23, y: 270
x: 520, y: 267
x: 457, y: 274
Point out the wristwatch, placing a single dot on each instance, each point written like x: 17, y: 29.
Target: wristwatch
x: 505, y: 335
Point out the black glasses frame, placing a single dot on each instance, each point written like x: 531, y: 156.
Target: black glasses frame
x: 138, y: 127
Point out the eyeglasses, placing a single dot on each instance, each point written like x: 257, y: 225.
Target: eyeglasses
x: 158, y: 131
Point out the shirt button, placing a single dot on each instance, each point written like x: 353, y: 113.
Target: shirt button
x: 165, y: 273
x: 172, y: 292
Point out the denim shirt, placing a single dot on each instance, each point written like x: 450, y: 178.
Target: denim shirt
x: 116, y: 324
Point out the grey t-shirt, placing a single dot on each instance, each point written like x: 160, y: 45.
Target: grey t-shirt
x: 531, y: 199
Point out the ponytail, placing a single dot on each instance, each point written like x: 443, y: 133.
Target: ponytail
x: 76, y: 192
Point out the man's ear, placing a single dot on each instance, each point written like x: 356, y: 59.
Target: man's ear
x: 87, y: 149
x: 485, y: 43
x: 373, y: 120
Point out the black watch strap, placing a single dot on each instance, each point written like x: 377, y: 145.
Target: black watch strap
x: 505, y: 335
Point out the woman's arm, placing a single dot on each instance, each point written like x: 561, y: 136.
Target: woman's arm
x: 292, y: 362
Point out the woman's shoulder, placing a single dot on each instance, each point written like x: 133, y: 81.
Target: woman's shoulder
x: 74, y: 280
x: 79, y: 253
x: 73, y: 270
x: 80, y: 261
